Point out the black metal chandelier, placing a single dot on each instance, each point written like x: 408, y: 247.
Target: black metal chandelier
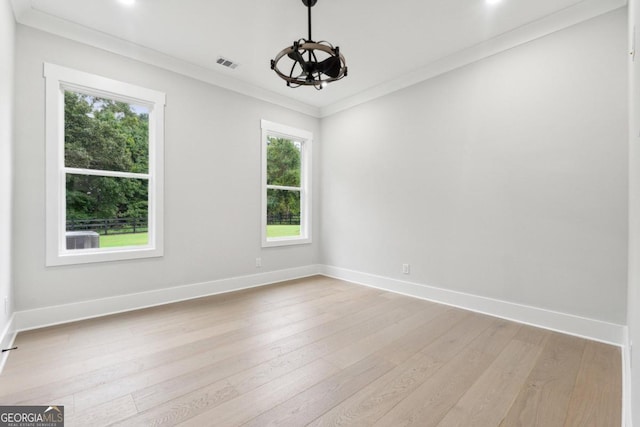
x: 323, y: 64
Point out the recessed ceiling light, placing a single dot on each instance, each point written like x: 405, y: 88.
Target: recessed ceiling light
x: 127, y: 2
x: 493, y: 1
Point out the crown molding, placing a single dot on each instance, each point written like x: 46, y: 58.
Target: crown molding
x: 28, y: 16
x: 565, y: 18
x: 585, y: 10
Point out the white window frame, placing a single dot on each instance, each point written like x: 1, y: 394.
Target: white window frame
x: 57, y: 80
x: 271, y: 129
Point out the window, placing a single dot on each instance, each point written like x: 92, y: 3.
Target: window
x: 104, y: 172
x: 286, y: 184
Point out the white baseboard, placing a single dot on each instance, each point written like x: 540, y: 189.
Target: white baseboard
x: 6, y: 340
x: 591, y: 329
x: 561, y: 322
x: 55, y: 315
x: 626, y: 381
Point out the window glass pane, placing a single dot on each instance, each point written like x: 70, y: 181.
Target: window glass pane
x: 283, y: 213
x: 105, y: 134
x: 106, y: 212
x: 283, y: 162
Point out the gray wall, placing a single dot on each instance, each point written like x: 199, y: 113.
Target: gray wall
x: 506, y: 178
x: 7, y: 28
x: 633, y: 299
x: 212, y: 182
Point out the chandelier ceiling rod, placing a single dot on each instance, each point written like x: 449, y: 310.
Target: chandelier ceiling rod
x: 309, y: 18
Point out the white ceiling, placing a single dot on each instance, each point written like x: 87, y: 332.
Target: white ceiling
x: 388, y: 44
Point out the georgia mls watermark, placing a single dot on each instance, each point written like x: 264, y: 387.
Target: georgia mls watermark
x: 31, y: 416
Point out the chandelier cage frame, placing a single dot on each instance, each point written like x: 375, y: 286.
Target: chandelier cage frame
x: 311, y: 71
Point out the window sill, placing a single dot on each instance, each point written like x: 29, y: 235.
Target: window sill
x: 274, y: 242
x: 86, y: 256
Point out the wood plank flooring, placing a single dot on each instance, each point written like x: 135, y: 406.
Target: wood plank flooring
x: 317, y: 352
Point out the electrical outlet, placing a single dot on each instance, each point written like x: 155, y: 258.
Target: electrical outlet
x: 258, y: 262
x: 405, y: 268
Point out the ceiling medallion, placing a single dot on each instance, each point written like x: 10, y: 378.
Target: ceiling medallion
x: 314, y: 63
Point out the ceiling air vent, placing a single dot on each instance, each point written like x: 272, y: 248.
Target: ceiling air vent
x: 227, y: 63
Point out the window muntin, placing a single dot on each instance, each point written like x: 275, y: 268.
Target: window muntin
x: 286, y: 214
x: 104, y: 168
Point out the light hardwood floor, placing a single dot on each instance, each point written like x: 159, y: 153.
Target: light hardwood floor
x: 317, y: 352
